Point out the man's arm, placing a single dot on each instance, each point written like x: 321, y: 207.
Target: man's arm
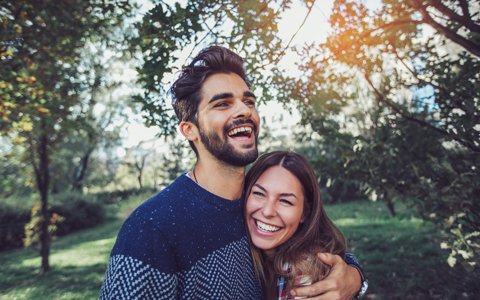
x: 141, y: 264
x: 344, y: 281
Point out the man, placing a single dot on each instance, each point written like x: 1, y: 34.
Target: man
x: 189, y: 241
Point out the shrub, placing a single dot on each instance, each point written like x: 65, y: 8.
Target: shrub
x: 33, y: 227
x: 79, y: 215
x: 12, y: 225
x: 78, y: 212
x: 68, y: 212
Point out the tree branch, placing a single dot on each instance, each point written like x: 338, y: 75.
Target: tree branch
x: 465, y: 10
x: 381, y: 98
x: 282, y: 53
x: 468, y: 45
x: 465, y: 20
x: 391, y: 24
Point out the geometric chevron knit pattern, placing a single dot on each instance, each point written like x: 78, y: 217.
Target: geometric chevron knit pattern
x: 220, y: 275
x: 183, y: 243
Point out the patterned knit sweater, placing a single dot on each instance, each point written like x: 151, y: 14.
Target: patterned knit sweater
x: 184, y: 243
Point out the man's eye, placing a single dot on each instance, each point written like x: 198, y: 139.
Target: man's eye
x: 221, y: 104
x: 250, y: 102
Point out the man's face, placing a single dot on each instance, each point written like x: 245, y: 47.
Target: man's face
x: 228, y: 120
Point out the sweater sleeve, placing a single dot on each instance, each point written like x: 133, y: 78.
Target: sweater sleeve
x: 142, y: 264
x: 351, y: 260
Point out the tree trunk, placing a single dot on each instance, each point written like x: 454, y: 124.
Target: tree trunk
x: 139, y: 178
x: 81, y: 171
x: 390, y: 205
x: 43, y: 178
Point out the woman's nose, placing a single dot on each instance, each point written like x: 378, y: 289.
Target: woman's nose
x: 268, y: 209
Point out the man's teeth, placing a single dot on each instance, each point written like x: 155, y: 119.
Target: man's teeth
x: 239, y: 129
x: 266, y: 227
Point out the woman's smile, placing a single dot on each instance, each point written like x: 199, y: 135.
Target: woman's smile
x: 274, y: 208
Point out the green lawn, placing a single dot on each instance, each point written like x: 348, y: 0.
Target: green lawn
x: 400, y: 255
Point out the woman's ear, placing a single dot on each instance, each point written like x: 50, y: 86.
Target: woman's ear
x: 188, y: 130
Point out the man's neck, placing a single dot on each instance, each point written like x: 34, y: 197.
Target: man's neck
x: 218, y: 178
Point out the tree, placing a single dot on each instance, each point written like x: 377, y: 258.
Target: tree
x: 405, y: 71
x: 41, y: 84
x: 419, y: 61
x: 249, y: 27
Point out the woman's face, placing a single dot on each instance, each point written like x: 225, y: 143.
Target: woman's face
x: 274, y: 208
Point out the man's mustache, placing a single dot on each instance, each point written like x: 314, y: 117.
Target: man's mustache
x: 236, y: 123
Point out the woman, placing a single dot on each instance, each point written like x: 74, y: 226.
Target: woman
x: 287, y: 222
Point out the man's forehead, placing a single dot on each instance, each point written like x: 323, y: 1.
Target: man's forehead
x: 224, y: 83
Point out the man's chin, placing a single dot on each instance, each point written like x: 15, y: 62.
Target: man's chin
x: 240, y: 158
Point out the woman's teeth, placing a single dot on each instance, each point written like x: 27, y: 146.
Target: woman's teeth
x: 266, y: 227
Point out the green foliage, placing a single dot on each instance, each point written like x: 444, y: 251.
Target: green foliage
x: 69, y: 212
x: 33, y: 229
x: 12, y: 226
x: 78, y: 212
x: 167, y: 29
x: 331, y: 155
x: 43, y: 79
x: 395, y: 103
x: 409, y: 99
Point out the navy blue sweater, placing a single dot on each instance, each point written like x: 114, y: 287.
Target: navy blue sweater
x: 184, y: 243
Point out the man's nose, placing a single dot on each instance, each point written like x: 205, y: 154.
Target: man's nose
x: 243, y: 110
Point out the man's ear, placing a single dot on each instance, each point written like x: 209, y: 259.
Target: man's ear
x: 188, y: 130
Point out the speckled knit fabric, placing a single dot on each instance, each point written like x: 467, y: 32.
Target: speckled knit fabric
x: 184, y: 243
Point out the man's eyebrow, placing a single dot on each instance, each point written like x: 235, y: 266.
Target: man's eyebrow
x: 249, y: 94
x: 220, y: 96
x: 230, y: 95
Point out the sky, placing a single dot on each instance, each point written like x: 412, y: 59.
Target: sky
x: 315, y: 29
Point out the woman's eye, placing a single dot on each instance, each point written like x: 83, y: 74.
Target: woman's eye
x: 286, y: 202
x: 257, y: 194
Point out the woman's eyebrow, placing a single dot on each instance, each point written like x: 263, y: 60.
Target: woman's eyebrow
x: 288, y: 195
x: 260, y: 187
x: 282, y: 194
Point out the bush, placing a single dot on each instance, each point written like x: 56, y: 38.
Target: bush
x: 12, y: 225
x: 69, y: 212
x: 79, y: 215
x: 78, y: 212
x: 117, y: 196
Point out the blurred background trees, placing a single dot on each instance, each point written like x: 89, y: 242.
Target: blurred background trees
x: 390, y: 98
x: 47, y: 82
x: 387, y: 101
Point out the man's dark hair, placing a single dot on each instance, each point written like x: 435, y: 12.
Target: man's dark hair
x: 186, y: 90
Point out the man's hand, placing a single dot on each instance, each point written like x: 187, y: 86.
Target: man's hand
x: 343, y: 282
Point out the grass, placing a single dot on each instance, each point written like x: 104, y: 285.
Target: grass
x: 400, y: 255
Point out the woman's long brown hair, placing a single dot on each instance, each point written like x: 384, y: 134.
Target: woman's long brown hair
x: 316, y: 233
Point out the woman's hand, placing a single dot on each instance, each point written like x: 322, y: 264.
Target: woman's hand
x: 342, y: 283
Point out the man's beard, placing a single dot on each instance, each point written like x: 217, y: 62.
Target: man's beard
x: 225, y: 152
